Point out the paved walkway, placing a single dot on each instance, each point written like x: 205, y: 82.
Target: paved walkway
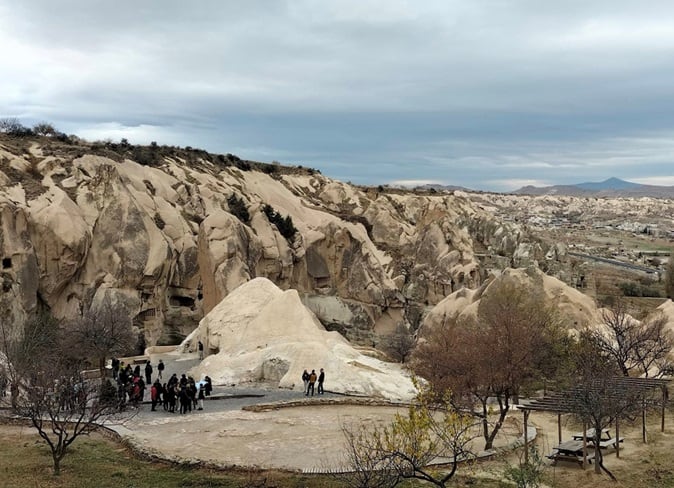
x: 223, y: 398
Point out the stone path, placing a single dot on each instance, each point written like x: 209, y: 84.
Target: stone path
x: 305, y: 437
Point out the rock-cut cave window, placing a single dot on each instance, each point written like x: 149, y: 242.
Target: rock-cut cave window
x: 6, y: 263
x: 178, y: 301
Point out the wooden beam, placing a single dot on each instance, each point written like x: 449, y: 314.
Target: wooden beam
x: 643, y: 422
x: 559, y: 427
x: 664, y: 407
x: 526, y: 437
x: 584, y: 444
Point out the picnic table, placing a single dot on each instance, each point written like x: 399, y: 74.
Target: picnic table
x: 605, y: 439
x: 570, y: 451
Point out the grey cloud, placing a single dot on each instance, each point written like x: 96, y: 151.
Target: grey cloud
x: 369, y: 91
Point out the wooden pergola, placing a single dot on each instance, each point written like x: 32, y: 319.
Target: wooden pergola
x: 613, y: 389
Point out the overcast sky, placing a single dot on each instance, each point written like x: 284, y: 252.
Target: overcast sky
x: 487, y: 94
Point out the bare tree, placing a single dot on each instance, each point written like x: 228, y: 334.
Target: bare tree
x: 598, y: 402
x: 44, y: 129
x: 23, y: 347
x: 514, y: 341
x: 49, y: 387
x: 10, y: 125
x: 382, y: 456
x: 362, y: 466
x: 63, y: 405
x: 105, y: 330
x: 400, y: 344
x: 641, y: 347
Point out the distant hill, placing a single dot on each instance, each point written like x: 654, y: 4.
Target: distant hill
x: 612, y: 187
x: 437, y: 187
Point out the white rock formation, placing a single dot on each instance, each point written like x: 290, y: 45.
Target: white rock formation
x: 576, y: 309
x: 259, y: 333
x: 667, y: 309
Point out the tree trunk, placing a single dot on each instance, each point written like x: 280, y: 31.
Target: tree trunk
x: 14, y: 394
x: 499, y: 423
x: 57, y: 464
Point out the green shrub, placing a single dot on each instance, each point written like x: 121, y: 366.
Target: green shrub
x: 284, y: 224
x: 237, y: 207
x: 632, y: 289
x: 529, y: 474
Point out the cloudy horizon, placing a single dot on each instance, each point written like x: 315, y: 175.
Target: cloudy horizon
x: 485, y: 94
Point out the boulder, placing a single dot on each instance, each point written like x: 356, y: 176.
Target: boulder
x: 260, y: 333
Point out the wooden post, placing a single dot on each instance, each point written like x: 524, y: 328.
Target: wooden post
x: 559, y: 428
x: 584, y: 444
x: 526, y: 437
x: 643, y: 421
x: 664, y: 407
x: 617, y: 438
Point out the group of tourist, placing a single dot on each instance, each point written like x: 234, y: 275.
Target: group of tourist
x: 183, y: 393
x: 310, y: 380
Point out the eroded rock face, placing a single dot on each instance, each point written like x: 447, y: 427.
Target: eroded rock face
x: 19, y: 274
x: 170, y: 240
x: 577, y: 310
x: 261, y: 334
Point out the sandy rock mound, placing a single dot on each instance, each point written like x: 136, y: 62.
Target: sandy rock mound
x: 667, y: 309
x: 577, y: 310
x: 260, y: 333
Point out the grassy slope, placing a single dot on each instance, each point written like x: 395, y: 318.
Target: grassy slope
x: 95, y: 461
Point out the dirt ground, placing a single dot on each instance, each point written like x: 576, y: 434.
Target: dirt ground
x: 298, y: 438
x: 309, y: 438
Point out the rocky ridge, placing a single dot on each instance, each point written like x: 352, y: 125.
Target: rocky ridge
x: 166, y: 238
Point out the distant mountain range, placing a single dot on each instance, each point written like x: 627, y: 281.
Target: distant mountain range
x: 613, y: 187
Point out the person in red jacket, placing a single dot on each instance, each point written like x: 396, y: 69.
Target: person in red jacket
x: 154, y: 394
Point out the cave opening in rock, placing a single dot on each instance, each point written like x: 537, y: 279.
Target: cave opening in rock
x: 180, y: 301
x: 6, y: 263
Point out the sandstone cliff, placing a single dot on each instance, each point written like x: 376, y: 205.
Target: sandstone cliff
x: 162, y: 231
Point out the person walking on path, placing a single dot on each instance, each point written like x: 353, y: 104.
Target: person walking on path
x: 321, y: 379
x: 312, y: 381
x: 305, y: 379
x: 209, y: 385
x: 148, y: 373
x: 201, y: 350
x: 115, y: 368
x: 200, y: 397
x: 160, y: 368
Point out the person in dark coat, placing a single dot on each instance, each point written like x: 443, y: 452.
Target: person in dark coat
x: 115, y: 368
x: 160, y: 369
x: 171, y: 398
x: 209, y: 385
x: 148, y: 373
x: 321, y: 379
x: 123, y: 377
x: 185, y: 402
x: 305, y: 380
x: 141, y: 386
x: 165, y: 394
x: 312, y: 382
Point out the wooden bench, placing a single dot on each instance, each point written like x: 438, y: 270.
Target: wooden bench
x: 558, y: 456
x: 603, y: 444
